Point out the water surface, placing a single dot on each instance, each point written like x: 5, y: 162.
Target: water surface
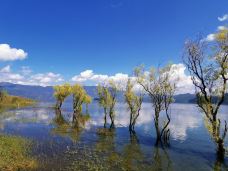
x: 58, y: 146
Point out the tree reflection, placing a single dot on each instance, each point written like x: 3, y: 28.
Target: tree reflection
x: 68, y: 129
x: 132, y: 155
x: 161, y: 160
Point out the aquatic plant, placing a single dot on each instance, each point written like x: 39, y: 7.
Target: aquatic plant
x: 15, y: 154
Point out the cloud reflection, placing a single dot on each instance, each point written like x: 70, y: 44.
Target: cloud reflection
x: 184, y: 117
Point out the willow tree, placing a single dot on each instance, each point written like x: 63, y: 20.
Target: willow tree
x: 113, y: 92
x: 80, y: 97
x: 107, y: 99
x: 104, y: 100
x: 134, y: 103
x: 61, y: 92
x: 208, y: 65
x: 160, y: 88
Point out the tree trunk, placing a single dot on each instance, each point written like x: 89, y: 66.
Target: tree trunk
x: 214, y: 117
x: 105, y: 117
x: 156, y: 124
x: 130, y: 124
x: 220, y: 150
x: 111, y: 113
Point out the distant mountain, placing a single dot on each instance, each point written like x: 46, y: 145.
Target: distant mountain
x: 45, y: 94
x: 39, y: 93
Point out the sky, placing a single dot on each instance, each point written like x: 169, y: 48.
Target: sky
x: 48, y: 42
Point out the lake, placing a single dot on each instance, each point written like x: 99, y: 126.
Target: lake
x: 57, y: 146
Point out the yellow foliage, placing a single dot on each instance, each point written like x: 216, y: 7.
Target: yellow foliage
x: 62, y: 91
x: 222, y: 36
x: 79, y: 97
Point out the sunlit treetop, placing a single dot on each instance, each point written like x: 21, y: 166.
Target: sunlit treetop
x: 62, y: 91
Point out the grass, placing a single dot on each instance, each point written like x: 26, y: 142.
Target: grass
x: 12, y: 102
x: 14, y: 154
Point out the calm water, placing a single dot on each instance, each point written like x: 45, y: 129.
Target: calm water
x: 59, y: 147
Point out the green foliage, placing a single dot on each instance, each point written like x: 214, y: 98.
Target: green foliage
x: 14, y: 154
x: 157, y: 83
x: 79, y: 97
x: 208, y: 66
x: 134, y: 102
x: 61, y: 92
x: 160, y: 88
x: 107, y: 99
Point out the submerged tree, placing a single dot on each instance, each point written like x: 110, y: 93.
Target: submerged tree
x: 104, y: 100
x: 134, y: 103
x: 113, y: 92
x: 61, y: 92
x: 160, y: 88
x: 107, y: 99
x: 80, y: 97
x: 208, y: 66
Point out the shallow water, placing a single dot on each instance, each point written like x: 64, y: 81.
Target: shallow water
x: 58, y: 146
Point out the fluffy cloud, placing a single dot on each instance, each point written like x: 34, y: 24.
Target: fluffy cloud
x: 223, y: 18
x: 90, y: 76
x: 220, y: 28
x: 83, y: 76
x: 177, y: 73
x: 26, y: 77
x: 183, y: 81
x: 46, y: 79
x: 210, y: 37
x: 11, y: 54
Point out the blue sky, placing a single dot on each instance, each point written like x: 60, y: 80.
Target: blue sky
x: 67, y: 37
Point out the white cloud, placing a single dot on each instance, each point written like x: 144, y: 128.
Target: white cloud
x: 219, y: 28
x: 184, y: 82
x: 223, y: 18
x: 27, y: 78
x: 46, y: 79
x: 11, y: 54
x: 84, y: 76
x: 99, y: 77
x: 6, y: 69
x: 210, y: 37
x: 89, y: 75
